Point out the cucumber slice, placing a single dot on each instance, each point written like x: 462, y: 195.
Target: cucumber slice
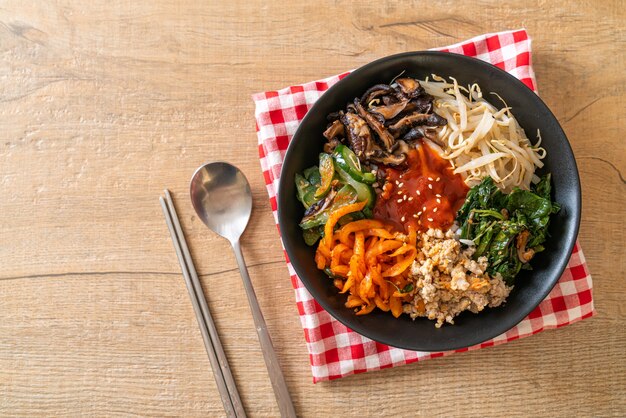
x: 365, y: 192
x: 327, y: 171
x: 349, y: 162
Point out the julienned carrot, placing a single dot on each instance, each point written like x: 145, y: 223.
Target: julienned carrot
x: 340, y: 271
x: 400, y: 266
x: 380, y: 232
x: 336, y: 255
x: 334, y: 218
x: 382, y: 247
x: 395, y: 304
x: 368, y: 260
x: 367, y: 309
x: 345, y: 231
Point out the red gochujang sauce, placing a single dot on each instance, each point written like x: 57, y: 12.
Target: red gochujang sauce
x: 425, y: 194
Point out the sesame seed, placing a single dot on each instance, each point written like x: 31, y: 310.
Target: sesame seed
x: 415, y: 215
x: 430, y: 179
x: 424, y: 208
x: 404, y: 197
x: 410, y: 198
x: 418, y: 192
x: 401, y: 184
x: 430, y: 186
x: 399, y: 200
x: 438, y: 195
x: 430, y: 219
x: 434, y: 210
x: 402, y: 219
x: 419, y: 213
x: 438, y: 178
x: 438, y: 200
x: 400, y: 192
x: 397, y: 182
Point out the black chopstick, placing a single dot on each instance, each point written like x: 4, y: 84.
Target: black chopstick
x: 219, y: 362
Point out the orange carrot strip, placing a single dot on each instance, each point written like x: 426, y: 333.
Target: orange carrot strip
x: 365, y: 286
x: 354, y: 268
x: 370, y: 242
x: 359, y: 251
x: 379, y: 232
x: 402, y: 250
x: 384, y: 291
x: 347, y: 241
x: 359, y: 244
x: 377, y: 279
x: 324, y: 251
x: 320, y: 260
x: 335, y: 259
x: 366, y: 309
x: 345, y: 231
x: 382, y: 247
x: 382, y: 305
x: 346, y: 256
x: 334, y: 218
x: 399, y: 295
x: 401, y: 266
x: 396, y: 306
x: 348, y: 284
x: 354, y: 301
x: 341, y: 270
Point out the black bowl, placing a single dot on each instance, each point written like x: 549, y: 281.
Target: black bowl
x: 531, y: 286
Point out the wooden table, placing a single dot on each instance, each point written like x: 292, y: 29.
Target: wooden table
x: 105, y: 103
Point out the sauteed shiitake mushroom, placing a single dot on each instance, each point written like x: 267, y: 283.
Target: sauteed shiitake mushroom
x: 385, y: 122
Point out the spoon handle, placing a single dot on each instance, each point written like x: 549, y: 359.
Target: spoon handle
x: 271, y: 361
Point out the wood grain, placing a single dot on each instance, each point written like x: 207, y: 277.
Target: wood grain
x: 105, y: 103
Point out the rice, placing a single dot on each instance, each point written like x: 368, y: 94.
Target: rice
x: 447, y: 281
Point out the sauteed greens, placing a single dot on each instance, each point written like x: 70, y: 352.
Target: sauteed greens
x: 509, y: 229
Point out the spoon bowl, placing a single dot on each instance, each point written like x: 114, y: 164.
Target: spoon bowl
x: 221, y: 196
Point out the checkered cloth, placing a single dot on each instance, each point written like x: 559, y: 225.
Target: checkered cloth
x: 336, y: 351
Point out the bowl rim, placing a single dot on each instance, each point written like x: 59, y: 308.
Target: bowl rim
x: 569, y: 238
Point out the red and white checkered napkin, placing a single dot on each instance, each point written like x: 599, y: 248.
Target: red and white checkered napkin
x: 337, y: 351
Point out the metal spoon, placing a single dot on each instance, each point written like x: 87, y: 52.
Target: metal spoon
x: 221, y: 196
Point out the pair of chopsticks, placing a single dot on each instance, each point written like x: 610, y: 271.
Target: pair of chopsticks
x: 219, y: 363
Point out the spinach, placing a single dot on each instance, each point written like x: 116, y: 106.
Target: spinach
x: 534, y: 208
x: 500, y: 248
x: 544, y: 187
x: 477, y: 198
x: 484, y: 239
x: 493, y: 220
